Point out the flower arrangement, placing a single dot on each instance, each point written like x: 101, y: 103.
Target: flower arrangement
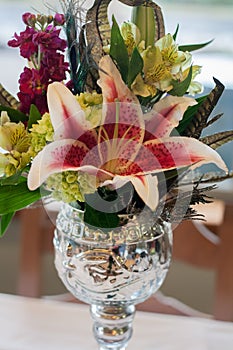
x: 117, y: 128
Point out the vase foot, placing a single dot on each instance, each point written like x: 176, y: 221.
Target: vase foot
x: 112, y: 325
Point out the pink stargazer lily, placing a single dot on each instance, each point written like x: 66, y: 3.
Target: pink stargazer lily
x: 127, y: 146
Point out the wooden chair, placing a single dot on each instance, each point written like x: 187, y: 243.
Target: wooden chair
x: 189, y: 246
x: 36, y: 230
x: 195, y: 249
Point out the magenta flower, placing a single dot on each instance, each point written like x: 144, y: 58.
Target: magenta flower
x: 56, y: 66
x: 33, y: 87
x: 29, y: 18
x: 59, y: 19
x: 119, y: 150
x: 42, y: 47
x: 49, y: 40
x: 25, y: 42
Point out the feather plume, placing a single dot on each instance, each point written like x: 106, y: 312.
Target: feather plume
x: 75, y: 13
x: 200, y: 119
x: 218, y: 139
x: 6, y: 99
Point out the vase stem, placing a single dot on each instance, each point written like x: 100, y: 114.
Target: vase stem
x: 112, y: 325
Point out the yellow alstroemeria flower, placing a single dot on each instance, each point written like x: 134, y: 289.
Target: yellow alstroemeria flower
x: 3, y: 163
x: 155, y: 73
x: 15, y: 141
x: 140, y: 88
x: 4, y: 118
x: 172, y: 57
x: 164, y: 63
x: 131, y: 35
x: 195, y: 87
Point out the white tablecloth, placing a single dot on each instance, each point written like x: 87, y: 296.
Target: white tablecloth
x: 35, y: 324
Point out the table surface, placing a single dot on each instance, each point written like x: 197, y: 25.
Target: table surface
x: 36, y: 324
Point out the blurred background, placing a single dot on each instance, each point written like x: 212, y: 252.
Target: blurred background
x: 199, y: 21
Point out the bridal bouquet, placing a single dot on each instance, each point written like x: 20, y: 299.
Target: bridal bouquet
x: 106, y: 117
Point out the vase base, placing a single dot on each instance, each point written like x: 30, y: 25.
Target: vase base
x: 112, y: 325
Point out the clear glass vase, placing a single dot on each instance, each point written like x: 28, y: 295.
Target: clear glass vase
x: 112, y: 270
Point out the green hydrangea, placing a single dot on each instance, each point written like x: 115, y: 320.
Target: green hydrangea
x: 65, y: 187
x: 71, y: 186
x: 41, y: 134
x: 87, y: 183
x: 87, y: 99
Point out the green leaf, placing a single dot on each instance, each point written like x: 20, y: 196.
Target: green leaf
x: 12, y: 180
x: 135, y: 66
x: 193, y: 47
x: 149, y: 101
x: 143, y: 17
x: 176, y: 32
x: 189, y: 114
x: 180, y: 88
x: 34, y: 116
x: 4, y: 222
x: 100, y: 219
x: 15, y: 115
x: 118, y: 50
x: 16, y: 197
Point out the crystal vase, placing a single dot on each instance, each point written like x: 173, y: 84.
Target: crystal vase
x: 112, y: 270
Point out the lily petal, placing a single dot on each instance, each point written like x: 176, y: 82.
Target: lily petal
x: 112, y: 84
x: 165, y: 116
x: 122, y: 114
x: 54, y: 158
x: 147, y: 189
x: 67, y: 117
x: 176, y: 152
x: 145, y: 186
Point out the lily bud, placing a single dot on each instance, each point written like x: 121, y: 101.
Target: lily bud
x: 143, y: 18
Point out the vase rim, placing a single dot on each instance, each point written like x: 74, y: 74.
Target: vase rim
x: 142, y: 229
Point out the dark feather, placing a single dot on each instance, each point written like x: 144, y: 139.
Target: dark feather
x: 214, y: 119
x: 74, y: 21
x: 219, y: 139
x: 200, y: 119
x: 6, y: 99
x: 213, y: 177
